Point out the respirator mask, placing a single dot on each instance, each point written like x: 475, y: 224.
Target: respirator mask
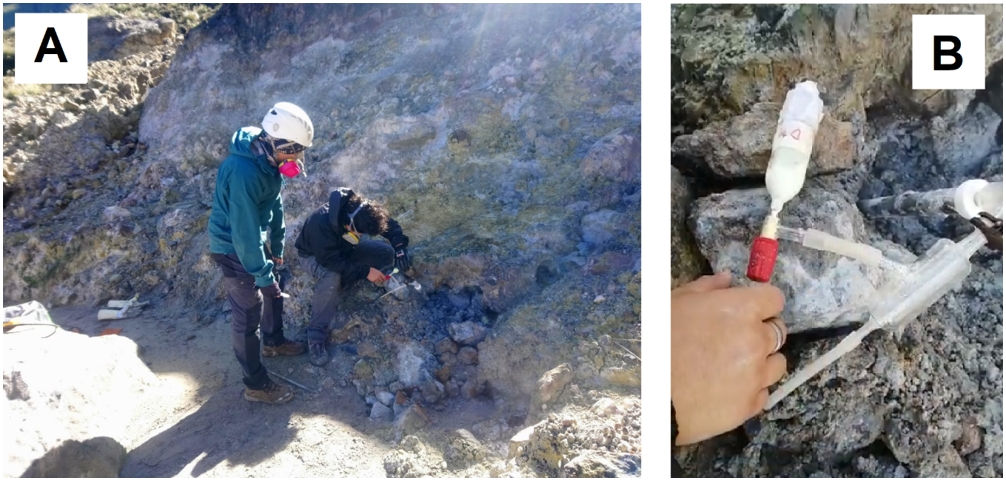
x: 352, y: 237
x: 293, y: 167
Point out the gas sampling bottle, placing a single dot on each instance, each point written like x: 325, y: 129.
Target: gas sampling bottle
x: 787, y: 168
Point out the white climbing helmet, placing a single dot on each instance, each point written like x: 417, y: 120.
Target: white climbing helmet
x: 289, y: 122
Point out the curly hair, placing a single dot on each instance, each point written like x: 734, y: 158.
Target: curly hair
x: 372, y: 218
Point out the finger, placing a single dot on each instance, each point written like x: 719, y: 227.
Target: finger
x: 775, y: 334
x: 755, y: 302
x: 720, y: 280
x: 775, y: 369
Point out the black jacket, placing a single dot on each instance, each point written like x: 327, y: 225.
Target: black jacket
x: 321, y: 237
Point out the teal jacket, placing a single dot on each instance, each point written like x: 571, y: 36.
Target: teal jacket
x: 246, y: 202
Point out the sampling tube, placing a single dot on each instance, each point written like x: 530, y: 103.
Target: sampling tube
x: 787, y: 168
x: 943, y: 268
x: 823, y: 241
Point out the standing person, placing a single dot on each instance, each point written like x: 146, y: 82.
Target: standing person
x: 248, y: 209
x: 330, y: 248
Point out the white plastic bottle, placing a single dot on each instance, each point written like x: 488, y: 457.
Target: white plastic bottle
x: 787, y: 168
x: 794, y: 139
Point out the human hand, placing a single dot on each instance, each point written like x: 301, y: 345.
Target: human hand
x: 723, y: 354
x: 375, y: 276
x: 272, y: 290
x: 278, y: 261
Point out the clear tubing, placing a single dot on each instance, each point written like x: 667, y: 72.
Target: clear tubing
x: 944, y: 267
x: 822, y: 241
x: 810, y: 370
x: 908, y: 203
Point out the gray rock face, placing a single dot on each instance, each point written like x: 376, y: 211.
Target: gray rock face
x: 822, y: 289
x: 687, y: 262
x: 728, y: 59
x: 118, y: 37
x: 742, y: 145
x: 603, y: 226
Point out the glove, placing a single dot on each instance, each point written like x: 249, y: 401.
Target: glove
x: 402, y: 260
x: 271, y: 291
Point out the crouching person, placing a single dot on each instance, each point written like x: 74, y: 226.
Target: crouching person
x: 331, y: 249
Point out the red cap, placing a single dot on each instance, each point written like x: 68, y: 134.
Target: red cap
x: 762, y: 260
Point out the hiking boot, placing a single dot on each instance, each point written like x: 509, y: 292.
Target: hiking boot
x: 319, y: 354
x: 272, y: 393
x: 288, y: 348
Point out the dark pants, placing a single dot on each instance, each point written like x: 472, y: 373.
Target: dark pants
x: 248, y: 310
x: 376, y: 254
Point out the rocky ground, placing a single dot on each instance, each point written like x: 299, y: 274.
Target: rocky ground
x: 927, y: 402
x: 505, y: 139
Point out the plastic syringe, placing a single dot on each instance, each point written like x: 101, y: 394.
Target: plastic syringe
x: 942, y: 269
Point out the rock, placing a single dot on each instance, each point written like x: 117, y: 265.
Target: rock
x: 100, y: 457
x: 468, y: 355
x: 381, y: 412
x: 56, y: 409
x: 467, y: 333
x: 451, y: 388
x: 822, y: 289
x: 590, y: 464
x: 385, y: 397
x: 518, y: 443
x: 687, y: 263
x: 401, y: 398
x: 71, y: 106
x: 622, y: 376
x: 366, y: 349
x: 115, y: 213
x: 125, y: 90
x: 363, y: 371
x: 604, y: 407
x: 472, y: 388
x: 741, y: 146
x: 446, y: 345
x: 615, y: 156
x: 448, y: 359
x: 119, y: 37
x: 411, y: 420
x: 756, y: 53
x: 598, y: 228
x: 552, y: 383
x: 78, y: 193
x: 971, y: 438
x: 90, y: 94
x: 414, y: 138
x: 463, y: 449
x: 610, y: 262
x: 409, y: 368
x: 433, y: 391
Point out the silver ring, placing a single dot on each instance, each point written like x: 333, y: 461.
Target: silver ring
x: 778, y: 336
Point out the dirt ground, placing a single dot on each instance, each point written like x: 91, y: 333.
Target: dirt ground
x: 198, y: 423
